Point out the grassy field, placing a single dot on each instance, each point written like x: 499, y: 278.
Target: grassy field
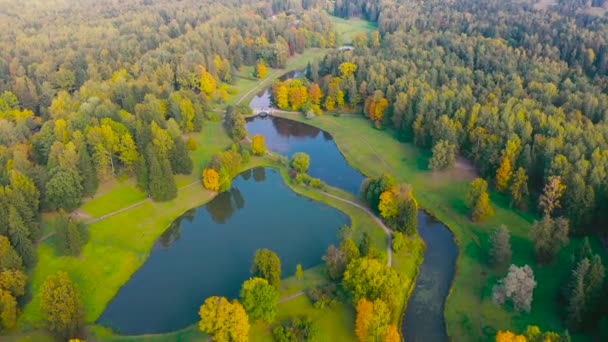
x: 348, y: 28
x: 470, y: 313
x: 119, y: 244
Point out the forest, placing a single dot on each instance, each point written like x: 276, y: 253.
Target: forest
x: 519, y: 92
x: 98, y: 90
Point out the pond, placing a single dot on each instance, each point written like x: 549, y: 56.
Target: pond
x: 287, y: 137
x: 209, y: 250
x: 423, y: 319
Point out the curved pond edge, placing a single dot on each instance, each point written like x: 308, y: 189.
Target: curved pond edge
x: 297, y: 116
x: 102, y: 331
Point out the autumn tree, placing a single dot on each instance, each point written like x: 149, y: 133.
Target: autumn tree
x: 9, y: 258
x: 260, y: 69
x: 61, y: 304
x: 388, y: 204
x: 503, y: 174
x: 191, y: 145
x: 478, y: 200
x: 483, y: 209
x: 372, y: 188
x: 509, y: 336
x: 257, y: 145
x: 500, y: 246
x: 375, y: 106
x: 347, y: 69
x: 299, y: 272
x: 391, y: 334
x: 259, y: 299
x: 315, y: 93
x: 548, y: 236
x: 373, y: 320
x: 444, y: 156
x: 208, y: 84
x: 549, y: 201
x: 267, y: 265
x: 300, y: 162
x: 518, y: 286
x: 371, y: 279
x: 211, y: 179
x: 519, y: 187
x: 225, y: 321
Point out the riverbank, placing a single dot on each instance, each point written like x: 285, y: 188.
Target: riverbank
x: 469, y: 312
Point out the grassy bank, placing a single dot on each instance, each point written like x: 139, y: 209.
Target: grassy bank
x: 335, y: 323
x: 470, y: 313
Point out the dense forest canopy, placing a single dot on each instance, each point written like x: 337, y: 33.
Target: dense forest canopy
x: 496, y: 79
x: 95, y: 90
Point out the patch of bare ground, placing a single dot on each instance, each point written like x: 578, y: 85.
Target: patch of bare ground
x: 462, y: 170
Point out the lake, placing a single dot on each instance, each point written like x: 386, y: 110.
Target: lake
x: 209, y: 250
x: 287, y: 137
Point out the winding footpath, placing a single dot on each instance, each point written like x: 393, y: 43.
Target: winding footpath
x: 121, y: 210
x: 387, y: 231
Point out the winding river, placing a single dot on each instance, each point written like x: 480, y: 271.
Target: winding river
x: 208, y: 251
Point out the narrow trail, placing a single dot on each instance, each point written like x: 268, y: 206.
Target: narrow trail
x: 119, y: 211
x: 387, y: 231
x: 293, y: 296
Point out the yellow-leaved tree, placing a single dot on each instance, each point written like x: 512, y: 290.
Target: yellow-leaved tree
x: 226, y: 321
x: 503, y: 174
x: 208, y: 84
x: 388, y: 205
x: 260, y: 70
x: 211, y: 179
x: 257, y: 145
x: 509, y: 336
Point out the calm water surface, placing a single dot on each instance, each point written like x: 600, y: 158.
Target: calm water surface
x: 287, y: 137
x: 423, y: 320
x: 209, y: 251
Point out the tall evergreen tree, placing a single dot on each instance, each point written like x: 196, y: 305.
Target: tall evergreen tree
x: 161, y: 184
x: 63, y: 190
x: 141, y: 174
x: 576, y: 294
x: 19, y: 237
x: 69, y: 235
x: 89, y: 179
x: 180, y: 160
x: 500, y: 252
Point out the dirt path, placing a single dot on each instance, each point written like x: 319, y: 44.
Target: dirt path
x: 122, y: 210
x: 387, y: 231
x: 293, y: 296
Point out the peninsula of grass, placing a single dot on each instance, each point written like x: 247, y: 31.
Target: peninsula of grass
x: 470, y: 313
